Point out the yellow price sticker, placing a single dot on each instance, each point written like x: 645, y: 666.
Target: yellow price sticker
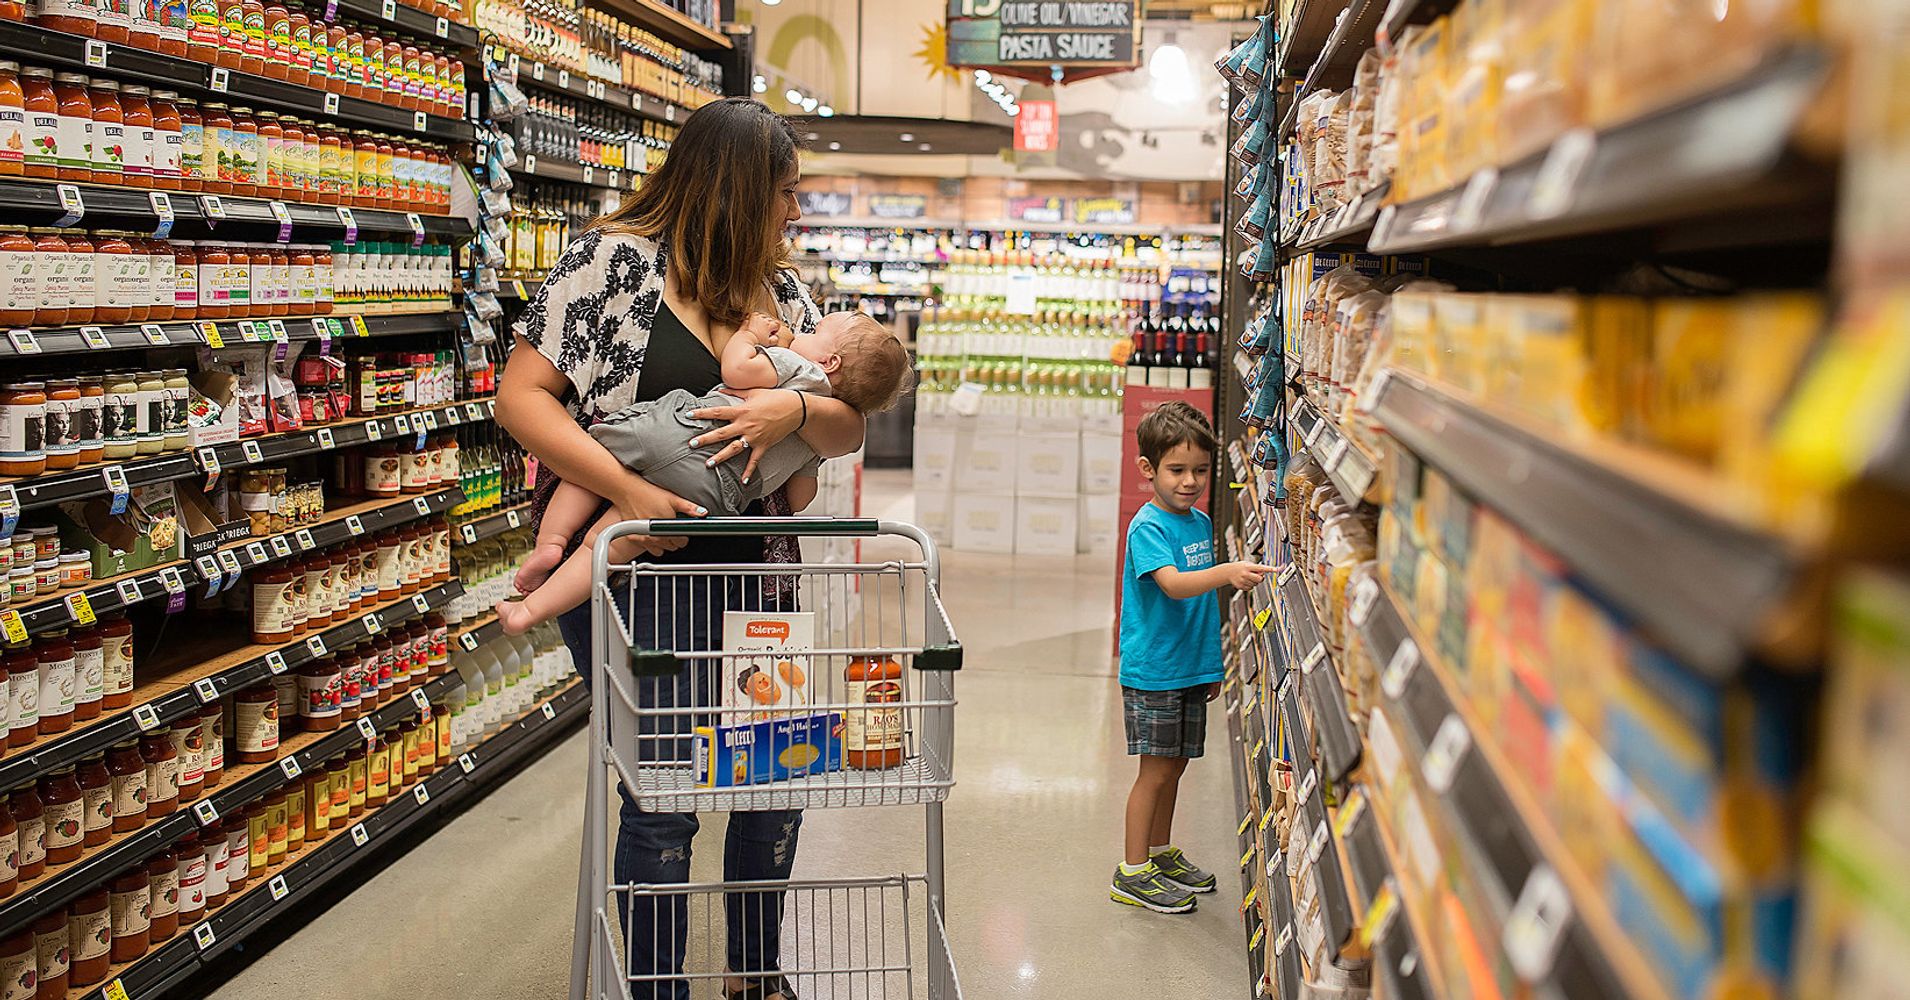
x: 1244, y: 820
x: 81, y: 607
x: 1251, y: 895
x: 1379, y: 915
x: 16, y: 629
x: 1259, y: 933
x: 1247, y: 858
x: 517, y: 285
x: 1264, y: 820
x: 210, y: 331
x: 358, y: 326
x: 1261, y: 617
x: 115, y: 990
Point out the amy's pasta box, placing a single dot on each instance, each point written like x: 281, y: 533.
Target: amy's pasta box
x: 752, y: 753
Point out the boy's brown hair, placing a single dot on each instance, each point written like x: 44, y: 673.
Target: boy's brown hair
x: 875, y: 366
x: 1174, y: 424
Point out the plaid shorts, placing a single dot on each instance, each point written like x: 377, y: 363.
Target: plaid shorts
x: 1166, y: 723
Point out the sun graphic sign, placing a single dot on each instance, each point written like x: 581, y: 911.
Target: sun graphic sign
x: 934, y: 53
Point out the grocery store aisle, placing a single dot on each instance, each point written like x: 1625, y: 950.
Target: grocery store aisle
x: 484, y: 907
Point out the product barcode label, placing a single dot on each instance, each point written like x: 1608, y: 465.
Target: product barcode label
x: 289, y: 767
x: 94, y: 338
x: 304, y: 538
x: 366, y: 728
x: 128, y: 591
x: 145, y: 718
x: 275, y: 662
x: 202, y: 935
x: 281, y: 547
x: 358, y: 834
x: 205, y: 812
x: 278, y: 888
x: 207, y: 691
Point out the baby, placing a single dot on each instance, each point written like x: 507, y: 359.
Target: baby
x: 849, y: 357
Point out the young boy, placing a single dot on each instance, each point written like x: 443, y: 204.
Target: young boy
x: 1170, y: 650
x: 849, y: 356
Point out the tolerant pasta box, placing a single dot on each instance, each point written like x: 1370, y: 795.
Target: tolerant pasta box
x: 769, y: 686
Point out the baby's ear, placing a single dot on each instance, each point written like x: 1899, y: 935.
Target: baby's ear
x: 833, y: 365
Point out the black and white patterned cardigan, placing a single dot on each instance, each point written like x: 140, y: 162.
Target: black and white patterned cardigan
x: 592, y: 319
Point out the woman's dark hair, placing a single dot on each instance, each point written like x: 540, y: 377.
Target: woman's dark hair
x: 715, y: 200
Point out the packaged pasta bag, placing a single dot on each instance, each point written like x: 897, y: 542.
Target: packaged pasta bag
x: 1360, y: 123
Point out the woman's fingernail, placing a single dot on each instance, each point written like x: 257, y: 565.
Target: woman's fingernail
x: 696, y: 442
x: 709, y: 463
x: 702, y: 511
x: 745, y: 480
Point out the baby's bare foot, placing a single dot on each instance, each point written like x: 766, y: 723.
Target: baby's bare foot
x: 516, y: 618
x: 537, y: 566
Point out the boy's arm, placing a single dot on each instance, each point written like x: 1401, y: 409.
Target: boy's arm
x: 801, y: 491
x: 1182, y: 585
x: 744, y: 365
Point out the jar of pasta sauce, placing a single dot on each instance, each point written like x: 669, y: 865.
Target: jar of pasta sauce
x: 40, y: 130
x: 126, y: 771
x: 163, y: 871
x: 136, y: 107
x: 252, y: 55
x: 162, y: 772
x: 96, y: 795
x: 29, y: 815
x: 168, y: 141
x: 220, y: 147
x: 109, y: 132
x: 75, y: 139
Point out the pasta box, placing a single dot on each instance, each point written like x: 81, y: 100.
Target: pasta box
x: 778, y: 749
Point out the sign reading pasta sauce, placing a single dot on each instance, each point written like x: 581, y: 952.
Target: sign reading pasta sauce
x: 1044, y: 33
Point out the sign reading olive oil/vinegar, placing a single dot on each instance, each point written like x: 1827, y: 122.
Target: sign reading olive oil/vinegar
x: 1044, y: 33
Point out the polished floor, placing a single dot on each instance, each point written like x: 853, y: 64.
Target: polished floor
x: 484, y: 908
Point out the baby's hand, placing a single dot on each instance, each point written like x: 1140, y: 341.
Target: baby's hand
x: 764, y: 329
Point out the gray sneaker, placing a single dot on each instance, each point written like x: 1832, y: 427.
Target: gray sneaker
x: 1149, y: 888
x: 1175, y: 868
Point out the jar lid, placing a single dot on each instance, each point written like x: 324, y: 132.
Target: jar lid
x: 104, y: 85
x: 75, y: 557
x: 26, y: 387
x: 164, y: 95
x: 135, y: 90
x: 9, y: 66
x: 215, y: 105
x: 37, y: 71
x: 132, y: 744
x: 79, y: 78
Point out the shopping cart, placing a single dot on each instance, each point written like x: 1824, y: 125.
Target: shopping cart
x: 726, y: 688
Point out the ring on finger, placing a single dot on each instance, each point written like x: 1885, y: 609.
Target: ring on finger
x: 745, y: 441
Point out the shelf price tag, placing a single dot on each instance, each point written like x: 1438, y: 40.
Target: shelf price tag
x: 16, y: 630
x: 252, y: 452
x: 563, y: 79
x: 1313, y: 658
x: 358, y: 326
x: 466, y: 764
x: 202, y: 934
x: 537, y: 72
x: 468, y: 533
x: 80, y: 607
x: 374, y: 430
x: 207, y: 691
x: 419, y: 122
x: 590, y: 176
x: 530, y: 163
x: 275, y: 662
x: 419, y: 698
x: 290, y: 768
x: 303, y: 537
x: 467, y: 640
x: 279, y: 333
x: 472, y: 411
x: 417, y: 228
x: 23, y: 342
x: 209, y: 332
x: 277, y: 886
x: 255, y: 551
x: 94, y: 338
x: 1336, y: 457
x: 429, y: 418
x: 315, y: 645
x: 9, y: 508
x: 418, y: 601
x: 346, y: 219
x: 116, y: 990
x: 331, y: 104
x: 1556, y: 184
x: 281, y: 547
x: 511, y: 518
x: 128, y: 590
x: 366, y: 728
x: 162, y: 208
x: 373, y: 624
x: 422, y: 794
x: 1261, y: 617
x: 325, y: 439
x: 1472, y: 202
x: 1399, y: 669
x: 358, y: 834
x: 549, y: 712
x: 1536, y: 924
x: 145, y: 718
x: 1364, y: 596
x: 205, y: 812
x: 442, y: 28
x: 155, y: 335
x: 401, y: 423
x: 284, y: 215
x: 115, y: 478
x: 229, y: 562
x: 354, y: 525
x: 389, y: 9
x: 221, y: 79
x: 669, y: 112
x: 1443, y: 754
x: 72, y: 203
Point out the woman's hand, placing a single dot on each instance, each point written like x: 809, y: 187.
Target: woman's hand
x: 639, y: 498
x: 765, y: 418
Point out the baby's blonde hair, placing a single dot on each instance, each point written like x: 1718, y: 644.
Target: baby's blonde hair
x: 875, y: 366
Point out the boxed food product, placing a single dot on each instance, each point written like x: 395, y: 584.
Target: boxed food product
x: 1544, y: 73
x: 1422, y: 142
x: 1691, y: 347
x: 778, y: 749
x: 1472, y: 101
x: 1618, y: 353
x: 771, y: 685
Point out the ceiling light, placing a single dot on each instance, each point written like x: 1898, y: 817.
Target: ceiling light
x: 826, y: 111
x: 908, y: 137
x: 1173, y: 77
x: 923, y: 147
x: 809, y: 104
x: 813, y: 136
x: 793, y: 95
x: 759, y: 85
x: 834, y: 146
x: 771, y: 3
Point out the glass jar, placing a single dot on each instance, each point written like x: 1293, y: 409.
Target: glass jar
x: 89, y: 932
x: 278, y: 42
x: 9, y: 858
x: 13, y: 118
x: 191, y: 852
x: 116, y: 661
x: 75, y: 139
x: 387, y: 174
x: 137, y: 110
x: 214, y: 260
x: 294, y: 817
x: 292, y: 158
x: 114, y: 277
x: 109, y: 132
x: 163, y: 872
x: 55, y: 651
x: 89, y: 663
x: 378, y: 771
x: 132, y: 913
x: 55, y: 278
x: 23, y: 429
x: 271, y: 173
x: 280, y: 303
x: 337, y: 58
x: 119, y: 417
x: 177, y: 395
x: 236, y: 280
x: 58, y: 431
x: 23, y: 687
x: 194, y: 168
x: 277, y: 827
x: 152, y: 413
x: 185, y: 279
x: 29, y: 815
x: 126, y: 770
x: 299, y: 69
x: 20, y: 277
x: 72, y: 16
x: 218, y: 864
x: 365, y: 170
x: 248, y: 174
x: 41, y: 130
x: 212, y: 729
x: 318, y: 685
x: 255, y: 723
x: 238, y: 846
x: 82, y: 279
x: 189, y: 749
x: 96, y: 796
x: 318, y: 805
x: 220, y: 150
x: 258, y: 842
x: 65, y: 815
x: 53, y: 955
x: 162, y: 772
x: 203, y: 31
x: 325, y: 282
x: 318, y: 597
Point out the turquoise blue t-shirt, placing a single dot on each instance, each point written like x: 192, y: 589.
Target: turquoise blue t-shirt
x: 1168, y: 644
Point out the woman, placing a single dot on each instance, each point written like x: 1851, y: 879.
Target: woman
x: 641, y: 304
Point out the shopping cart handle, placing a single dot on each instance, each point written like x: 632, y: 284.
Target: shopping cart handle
x: 944, y: 657
x: 838, y: 526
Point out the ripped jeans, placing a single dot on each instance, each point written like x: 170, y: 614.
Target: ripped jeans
x: 654, y: 848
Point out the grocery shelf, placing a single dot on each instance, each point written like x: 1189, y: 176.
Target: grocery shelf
x: 494, y: 523
x: 1726, y: 156
x: 183, y: 333
x: 1333, y: 68
x: 1514, y: 854
x: 59, y: 610
x: 531, y: 165
x: 286, y: 890
x: 557, y: 80
x: 1705, y: 587
x: 69, y: 881
x: 671, y: 26
x: 522, y: 289
x: 1354, y: 472
x: 1400, y: 13
x: 1351, y: 225
x: 37, y: 203
x: 189, y: 686
x: 1312, y: 24
x: 42, y: 45
x: 412, y: 20
x: 93, y: 480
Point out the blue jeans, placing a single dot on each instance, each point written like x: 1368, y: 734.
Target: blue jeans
x: 654, y: 848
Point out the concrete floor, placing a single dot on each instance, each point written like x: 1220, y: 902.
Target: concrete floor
x: 484, y: 908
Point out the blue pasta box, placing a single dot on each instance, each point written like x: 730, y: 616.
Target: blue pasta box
x: 752, y: 753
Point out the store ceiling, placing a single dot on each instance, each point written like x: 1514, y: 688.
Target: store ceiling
x: 1198, y: 10
x: 881, y: 134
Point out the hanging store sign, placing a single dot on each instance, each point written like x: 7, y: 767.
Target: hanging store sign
x: 1104, y: 33
x: 1037, y: 127
x: 1104, y: 211
x: 1042, y: 211
x: 898, y: 206
x: 826, y: 204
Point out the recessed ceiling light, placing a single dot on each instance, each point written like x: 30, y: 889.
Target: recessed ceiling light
x: 759, y: 84
x: 794, y: 95
x: 908, y: 137
x: 834, y: 146
x: 813, y: 136
x: 809, y: 104
x: 923, y: 147
x: 826, y: 111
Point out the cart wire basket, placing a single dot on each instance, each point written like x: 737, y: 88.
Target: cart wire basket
x: 754, y: 687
